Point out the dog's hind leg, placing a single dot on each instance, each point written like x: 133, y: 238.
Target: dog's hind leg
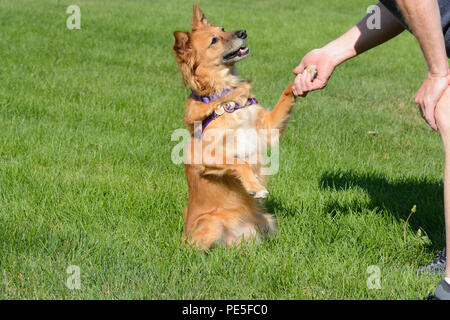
x: 243, y: 172
x: 207, y: 231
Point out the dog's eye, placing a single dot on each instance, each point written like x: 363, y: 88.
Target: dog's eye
x: 214, y: 40
x: 223, y: 29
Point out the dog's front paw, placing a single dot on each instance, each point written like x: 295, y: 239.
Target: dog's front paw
x: 288, y: 93
x: 201, y: 169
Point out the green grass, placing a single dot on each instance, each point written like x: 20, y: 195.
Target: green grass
x: 86, y: 178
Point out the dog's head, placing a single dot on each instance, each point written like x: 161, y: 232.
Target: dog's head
x: 207, y: 50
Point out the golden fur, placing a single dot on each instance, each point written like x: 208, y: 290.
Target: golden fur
x: 222, y: 207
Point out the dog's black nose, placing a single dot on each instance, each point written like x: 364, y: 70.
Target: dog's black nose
x: 241, y: 34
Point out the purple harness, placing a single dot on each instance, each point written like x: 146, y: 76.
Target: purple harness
x: 229, y: 107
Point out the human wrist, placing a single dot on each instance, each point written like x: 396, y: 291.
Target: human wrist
x: 338, y: 52
x: 437, y: 65
x: 439, y: 72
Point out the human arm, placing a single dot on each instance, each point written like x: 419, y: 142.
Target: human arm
x: 355, y: 41
x: 424, y: 19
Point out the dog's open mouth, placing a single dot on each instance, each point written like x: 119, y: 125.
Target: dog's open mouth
x: 236, y: 55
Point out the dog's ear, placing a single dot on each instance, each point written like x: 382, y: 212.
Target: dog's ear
x: 185, y: 57
x: 182, y: 43
x: 198, y: 19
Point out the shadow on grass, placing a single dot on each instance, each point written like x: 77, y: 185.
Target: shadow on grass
x: 277, y: 207
x: 397, y: 197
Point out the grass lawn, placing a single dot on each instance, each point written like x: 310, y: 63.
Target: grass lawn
x: 86, y: 118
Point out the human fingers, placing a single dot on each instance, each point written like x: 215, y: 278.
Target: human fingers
x: 297, y: 88
x: 299, y: 69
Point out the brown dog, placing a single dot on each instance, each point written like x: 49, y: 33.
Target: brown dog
x: 223, y: 208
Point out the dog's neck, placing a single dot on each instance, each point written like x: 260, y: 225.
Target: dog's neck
x: 208, y: 83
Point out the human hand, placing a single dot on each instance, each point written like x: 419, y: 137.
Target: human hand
x: 304, y: 80
x: 429, y: 94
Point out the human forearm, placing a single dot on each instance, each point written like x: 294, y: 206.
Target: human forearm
x: 423, y: 17
x: 360, y: 38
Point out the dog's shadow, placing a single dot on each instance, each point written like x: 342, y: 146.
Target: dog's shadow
x: 397, y: 197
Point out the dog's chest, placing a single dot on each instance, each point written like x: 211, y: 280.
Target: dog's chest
x: 244, y: 133
x: 245, y: 118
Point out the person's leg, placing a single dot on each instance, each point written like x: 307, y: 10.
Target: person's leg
x: 443, y: 121
x: 442, y: 114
